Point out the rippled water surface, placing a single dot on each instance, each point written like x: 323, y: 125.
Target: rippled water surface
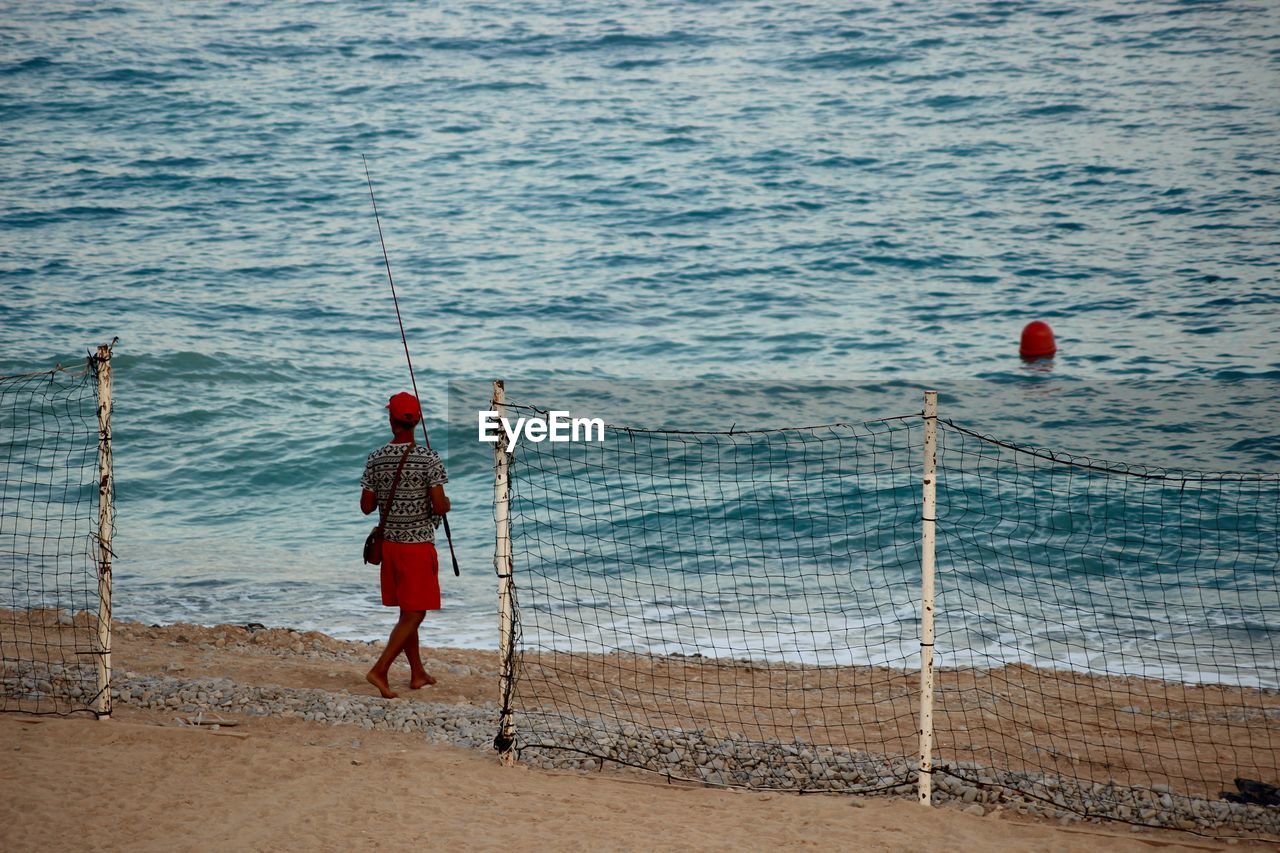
x: 735, y: 190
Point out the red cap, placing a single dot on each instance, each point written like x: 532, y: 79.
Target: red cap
x: 404, y: 407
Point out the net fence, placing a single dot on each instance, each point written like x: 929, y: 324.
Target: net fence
x: 1106, y: 634
x: 692, y: 602
x: 49, y: 597
x: 742, y: 608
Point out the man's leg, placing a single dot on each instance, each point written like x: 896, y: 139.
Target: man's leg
x: 405, y: 630
x: 418, y: 677
x: 424, y: 590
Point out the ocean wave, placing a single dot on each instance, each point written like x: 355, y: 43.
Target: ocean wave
x: 34, y: 64
x: 40, y: 218
x: 847, y: 59
x: 1054, y: 110
x: 616, y: 41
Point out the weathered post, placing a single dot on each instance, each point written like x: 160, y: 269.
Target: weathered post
x: 928, y: 517
x: 502, y: 565
x: 101, y: 364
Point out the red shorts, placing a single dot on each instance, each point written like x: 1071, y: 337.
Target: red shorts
x: 410, y: 575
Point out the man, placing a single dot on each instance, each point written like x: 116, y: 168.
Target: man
x: 410, y: 567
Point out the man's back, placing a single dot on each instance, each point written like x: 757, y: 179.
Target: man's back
x: 410, y: 518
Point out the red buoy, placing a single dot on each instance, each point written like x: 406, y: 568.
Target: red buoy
x: 1037, y: 341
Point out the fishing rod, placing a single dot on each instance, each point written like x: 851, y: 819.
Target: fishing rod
x: 448, y: 535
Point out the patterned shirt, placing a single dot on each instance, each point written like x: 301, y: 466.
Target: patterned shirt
x: 410, y: 518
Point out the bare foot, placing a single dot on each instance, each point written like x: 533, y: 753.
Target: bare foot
x: 380, y: 682
x: 421, y: 681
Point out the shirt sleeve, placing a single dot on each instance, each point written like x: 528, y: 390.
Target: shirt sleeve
x: 366, y: 479
x: 436, y: 475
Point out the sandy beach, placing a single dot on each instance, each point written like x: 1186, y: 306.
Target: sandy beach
x: 140, y: 783
x: 147, y: 779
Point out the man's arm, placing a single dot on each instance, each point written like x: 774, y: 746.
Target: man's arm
x: 440, y: 503
x: 368, y: 497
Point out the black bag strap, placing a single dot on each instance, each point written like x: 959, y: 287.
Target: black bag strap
x: 395, y: 484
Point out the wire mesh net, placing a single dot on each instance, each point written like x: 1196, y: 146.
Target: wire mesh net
x: 1106, y: 634
x: 732, y: 608
x: 49, y: 597
x: 743, y: 609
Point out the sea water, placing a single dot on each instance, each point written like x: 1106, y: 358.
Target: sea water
x: 806, y: 193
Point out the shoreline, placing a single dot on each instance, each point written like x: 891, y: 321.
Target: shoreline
x: 49, y: 616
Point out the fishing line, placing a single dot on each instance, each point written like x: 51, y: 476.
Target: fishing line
x: 448, y: 535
